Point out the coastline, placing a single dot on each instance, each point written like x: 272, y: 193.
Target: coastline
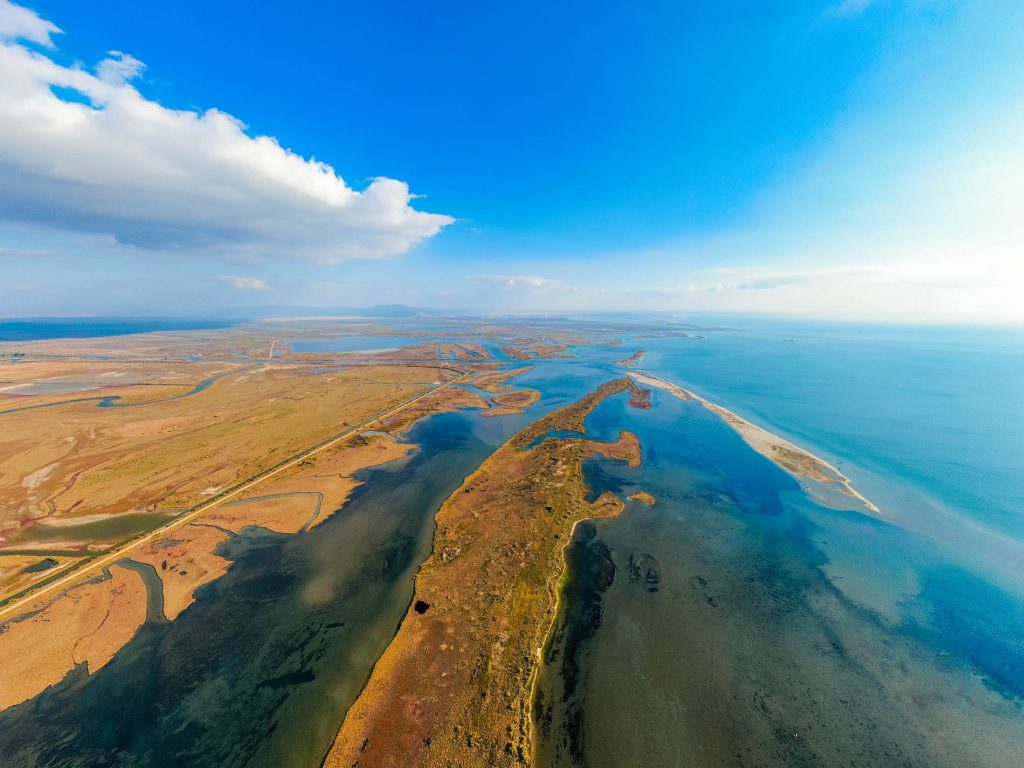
x: 799, y: 462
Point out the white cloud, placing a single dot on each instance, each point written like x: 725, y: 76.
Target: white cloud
x: 252, y: 283
x: 931, y: 286
x: 21, y: 23
x: 518, y: 282
x: 119, y: 68
x: 102, y: 158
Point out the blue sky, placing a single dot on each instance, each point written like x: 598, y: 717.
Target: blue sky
x: 839, y: 158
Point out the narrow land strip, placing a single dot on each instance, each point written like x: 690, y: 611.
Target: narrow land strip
x: 454, y: 686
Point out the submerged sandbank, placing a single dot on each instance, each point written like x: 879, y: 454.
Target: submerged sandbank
x: 790, y: 457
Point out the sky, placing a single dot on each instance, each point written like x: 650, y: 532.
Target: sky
x: 839, y: 159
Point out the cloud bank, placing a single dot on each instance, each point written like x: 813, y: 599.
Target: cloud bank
x: 85, y: 151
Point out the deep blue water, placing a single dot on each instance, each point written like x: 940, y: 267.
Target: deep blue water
x: 34, y: 329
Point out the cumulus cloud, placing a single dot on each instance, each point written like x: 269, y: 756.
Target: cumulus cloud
x: 86, y: 151
x: 518, y: 282
x: 252, y: 283
x: 119, y: 68
x: 21, y: 23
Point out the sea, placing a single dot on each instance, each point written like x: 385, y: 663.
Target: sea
x: 740, y: 621
x: 35, y: 329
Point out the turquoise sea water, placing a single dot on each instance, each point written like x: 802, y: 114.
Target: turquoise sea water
x: 740, y: 622
x: 928, y: 422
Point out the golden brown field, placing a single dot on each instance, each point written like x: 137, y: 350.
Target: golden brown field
x: 66, y: 466
x: 72, y: 474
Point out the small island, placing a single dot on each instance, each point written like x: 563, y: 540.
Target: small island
x: 633, y: 359
x: 643, y: 496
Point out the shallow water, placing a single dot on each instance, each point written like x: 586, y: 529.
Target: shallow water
x: 353, y: 344
x: 114, y: 401
x: 736, y: 622
x: 112, y: 528
x: 928, y: 422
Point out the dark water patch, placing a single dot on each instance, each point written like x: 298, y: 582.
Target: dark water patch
x: 644, y: 570
x: 154, y: 587
x: 43, y: 565
x: 288, y: 679
x: 557, y: 705
x: 600, y: 477
x: 167, y: 543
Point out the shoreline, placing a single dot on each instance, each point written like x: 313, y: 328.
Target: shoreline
x: 799, y: 462
x: 557, y: 605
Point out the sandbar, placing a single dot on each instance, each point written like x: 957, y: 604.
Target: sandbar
x: 790, y: 457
